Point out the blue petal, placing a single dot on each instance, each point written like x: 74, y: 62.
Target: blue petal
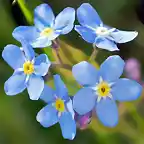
x: 47, y: 94
x: 61, y: 89
x: 35, y: 87
x: 42, y: 58
x: 41, y: 42
x: 124, y: 36
x: 107, y: 112
x: 28, y: 50
x: 126, y: 90
x: 68, y: 126
x: 87, y: 16
x: 29, y: 33
x: 85, y: 73
x: 69, y: 107
x: 65, y: 20
x: 84, y: 101
x: 13, y: 56
x: 54, y: 35
x: 109, y: 27
x: 47, y: 116
x: 42, y: 65
x: 112, y: 68
x: 87, y: 34
x: 15, y: 84
x: 43, y: 16
x: 105, y: 43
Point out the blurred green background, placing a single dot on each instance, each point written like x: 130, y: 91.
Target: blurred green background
x: 18, y: 124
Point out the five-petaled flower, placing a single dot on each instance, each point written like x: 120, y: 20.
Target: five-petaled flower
x: 101, y: 89
x: 59, y: 109
x: 28, y: 70
x: 94, y: 31
x: 47, y: 27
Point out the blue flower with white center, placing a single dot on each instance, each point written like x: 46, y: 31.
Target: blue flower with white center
x: 59, y: 109
x: 47, y: 28
x: 94, y: 31
x: 101, y: 88
x: 28, y: 70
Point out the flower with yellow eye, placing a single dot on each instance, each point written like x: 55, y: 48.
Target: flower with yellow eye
x: 59, y: 109
x: 102, y: 87
x: 94, y: 31
x: 28, y: 70
x: 47, y: 28
x: 28, y: 67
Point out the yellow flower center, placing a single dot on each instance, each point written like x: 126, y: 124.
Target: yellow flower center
x: 59, y: 105
x: 28, y: 67
x: 103, y: 89
x: 47, y: 32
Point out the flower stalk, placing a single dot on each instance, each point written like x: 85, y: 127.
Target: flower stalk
x: 94, y: 53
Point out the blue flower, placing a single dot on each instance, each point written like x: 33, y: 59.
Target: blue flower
x: 59, y: 109
x: 94, y: 31
x: 102, y: 88
x: 47, y: 27
x: 28, y: 70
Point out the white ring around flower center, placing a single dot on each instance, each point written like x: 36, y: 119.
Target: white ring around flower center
x: 102, y: 89
x: 102, y: 31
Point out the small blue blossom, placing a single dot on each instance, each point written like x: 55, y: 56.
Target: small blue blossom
x: 101, y: 88
x: 59, y: 109
x: 47, y: 28
x: 94, y: 31
x: 28, y: 70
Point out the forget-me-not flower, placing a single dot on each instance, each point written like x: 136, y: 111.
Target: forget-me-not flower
x: 47, y: 27
x: 94, y: 31
x: 59, y: 109
x: 101, y: 88
x: 28, y: 70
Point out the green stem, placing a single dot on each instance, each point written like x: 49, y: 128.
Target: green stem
x: 27, y: 13
x: 56, y: 47
x: 58, y: 65
x: 58, y: 56
x: 94, y: 53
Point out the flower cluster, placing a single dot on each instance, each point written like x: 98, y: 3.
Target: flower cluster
x: 100, y: 89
